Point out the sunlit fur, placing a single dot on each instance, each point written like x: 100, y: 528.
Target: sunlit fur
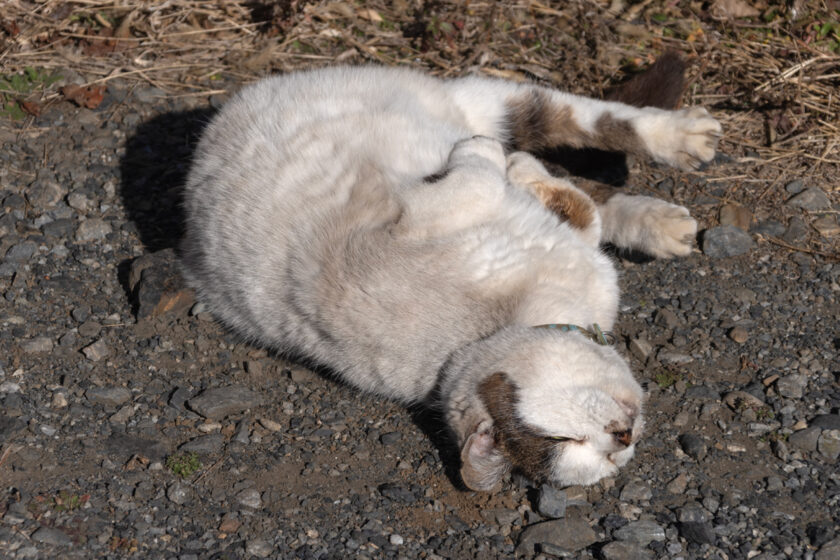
x: 313, y: 228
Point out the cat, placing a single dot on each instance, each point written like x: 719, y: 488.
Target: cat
x: 394, y: 228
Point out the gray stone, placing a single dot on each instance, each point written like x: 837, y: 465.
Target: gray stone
x: 621, y: 550
x: 827, y: 421
x: 796, y: 186
x: 204, y: 445
x: 9, y: 428
x: 260, y: 548
x: 303, y: 376
x: 177, y: 493
x: 810, y: 199
x: 738, y: 399
x: 58, y: 228
x: 796, y: 232
x: 108, y: 396
x: 78, y: 201
x: 792, y: 386
x: 693, y: 445
x: 570, y: 534
x: 93, y: 229
x: 667, y: 356
x: 702, y: 393
x: 635, y: 491
x: 698, y: 532
x: 678, y: 484
x: 693, y: 513
x: 390, y: 438
x: 827, y: 226
x: 726, y: 241
x: 397, y: 493
x: 250, y: 498
x: 122, y: 415
x: 89, y: 329
x: 223, y: 401
x: 774, y: 484
x: 829, y: 444
x: 49, y: 535
x: 805, y: 440
x: 96, y: 351
x: 21, y: 252
x: 243, y: 431
x: 37, y: 345
x: 641, y: 532
x: 45, y: 191
x: 641, y: 349
x: 829, y: 551
x: 769, y: 227
x: 667, y: 318
x: 122, y: 446
x: 157, y: 285
x: 551, y: 502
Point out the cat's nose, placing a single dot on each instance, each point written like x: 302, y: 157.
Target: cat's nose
x: 624, y: 437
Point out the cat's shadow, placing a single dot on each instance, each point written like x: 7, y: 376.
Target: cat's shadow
x: 153, y: 172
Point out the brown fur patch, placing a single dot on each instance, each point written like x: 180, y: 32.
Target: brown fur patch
x: 617, y: 135
x: 599, y: 192
x: 535, y: 122
x: 528, y: 450
x: 576, y: 208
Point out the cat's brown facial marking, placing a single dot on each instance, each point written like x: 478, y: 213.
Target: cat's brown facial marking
x: 528, y: 450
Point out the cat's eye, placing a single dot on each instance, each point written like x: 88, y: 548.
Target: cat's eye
x: 560, y: 438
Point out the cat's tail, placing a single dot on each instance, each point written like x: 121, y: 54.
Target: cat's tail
x: 662, y: 85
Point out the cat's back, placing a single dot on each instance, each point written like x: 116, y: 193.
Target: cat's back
x: 280, y: 163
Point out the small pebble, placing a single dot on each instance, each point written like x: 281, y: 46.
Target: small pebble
x: 739, y: 334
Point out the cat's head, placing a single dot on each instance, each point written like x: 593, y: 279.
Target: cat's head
x: 561, y: 409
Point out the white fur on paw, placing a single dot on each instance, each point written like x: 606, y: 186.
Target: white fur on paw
x: 685, y: 138
x: 670, y: 230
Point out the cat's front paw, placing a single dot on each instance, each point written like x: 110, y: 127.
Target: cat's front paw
x: 685, y: 139
x: 671, y: 230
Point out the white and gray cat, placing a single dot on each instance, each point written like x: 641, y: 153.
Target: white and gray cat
x: 386, y: 224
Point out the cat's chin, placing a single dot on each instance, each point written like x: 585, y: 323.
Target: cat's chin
x: 583, y: 465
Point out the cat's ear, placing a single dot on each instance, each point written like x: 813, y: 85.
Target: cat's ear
x: 482, y: 464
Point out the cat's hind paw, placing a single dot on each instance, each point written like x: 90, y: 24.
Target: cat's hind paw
x: 672, y: 231
x: 656, y: 227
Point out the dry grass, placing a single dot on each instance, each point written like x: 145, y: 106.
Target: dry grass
x: 771, y: 80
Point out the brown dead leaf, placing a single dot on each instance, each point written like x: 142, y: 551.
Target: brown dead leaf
x: 31, y: 107
x: 733, y: 9
x: 90, y: 96
x: 10, y: 27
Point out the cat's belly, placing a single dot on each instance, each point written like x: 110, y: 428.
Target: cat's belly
x: 562, y: 279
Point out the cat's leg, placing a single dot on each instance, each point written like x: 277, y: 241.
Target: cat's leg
x: 557, y: 194
x: 531, y: 118
x: 467, y: 192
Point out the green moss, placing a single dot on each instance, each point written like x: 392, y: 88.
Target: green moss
x: 183, y: 464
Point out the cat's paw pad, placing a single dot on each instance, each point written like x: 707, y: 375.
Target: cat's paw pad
x: 671, y: 230
x: 467, y: 151
x: 696, y: 134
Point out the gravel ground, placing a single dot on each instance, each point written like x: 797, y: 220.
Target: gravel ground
x: 132, y: 424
